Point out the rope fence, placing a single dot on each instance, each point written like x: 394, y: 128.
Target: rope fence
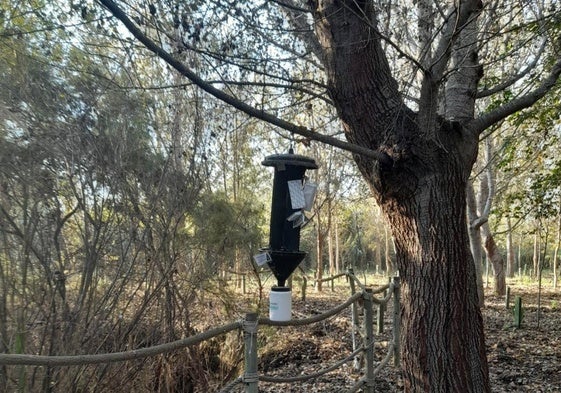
x: 250, y: 327
x: 135, y: 354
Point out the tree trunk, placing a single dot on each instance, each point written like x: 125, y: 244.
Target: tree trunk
x: 442, y: 336
x: 536, y: 256
x: 475, y: 243
x: 390, y: 270
x: 496, y: 259
x: 330, y: 246
x: 557, y: 246
x: 510, y: 258
x: 337, y: 249
x: 319, y: 259
x: 419, y: 181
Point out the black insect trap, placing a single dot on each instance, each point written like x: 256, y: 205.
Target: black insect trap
x: 292, y: 196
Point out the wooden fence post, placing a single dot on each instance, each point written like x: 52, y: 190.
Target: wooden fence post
x: 354, y: 316
x: 304, y: 286
x: 396, y: 321
x: 250, y: 377
x: 507, y: 298
x: 380, y: 315
x: 369, y: 340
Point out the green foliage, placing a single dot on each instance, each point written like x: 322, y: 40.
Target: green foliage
x: 226, y: 227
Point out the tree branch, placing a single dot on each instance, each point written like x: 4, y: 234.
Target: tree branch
x: 515, y: 78
x: 488, y: 119
x: 114, y: 9
x: 455, y: 22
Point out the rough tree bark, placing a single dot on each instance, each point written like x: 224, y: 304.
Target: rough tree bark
x: 420, y: 187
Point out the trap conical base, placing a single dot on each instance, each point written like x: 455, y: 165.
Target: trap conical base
x: 283, y: 263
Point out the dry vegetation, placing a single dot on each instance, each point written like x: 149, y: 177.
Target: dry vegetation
x: 520, y: 360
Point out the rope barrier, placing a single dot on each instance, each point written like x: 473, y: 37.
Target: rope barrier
x: 356, y: 280
x: 319, y: 373
x: 386, y: 359
x: 317, y: 318
x: 250, y: 377
x: 386, y: 299
x: 250, y: 327
x: 78, y: 360
x: 231, y: 385
x: 330, y: 278
x: 381, y: 289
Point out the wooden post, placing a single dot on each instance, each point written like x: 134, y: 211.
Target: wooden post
x: 518, y: 312
x: 507, y: 298
x: 354, y: 315
x: 243, y: 284
x: 396, y: 321
x: 250, y: 377
x: 304, y: 286
x: 369, y: 340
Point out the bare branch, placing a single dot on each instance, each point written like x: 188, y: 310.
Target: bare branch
x: 509, y: 82
x: 114, y: 9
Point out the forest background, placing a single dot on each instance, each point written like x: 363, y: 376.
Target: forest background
x: 128, y: 197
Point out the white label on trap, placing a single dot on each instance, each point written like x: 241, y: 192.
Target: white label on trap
x: 261, y: 259
x: 296, y: 194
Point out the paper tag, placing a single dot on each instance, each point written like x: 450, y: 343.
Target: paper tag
x: 298, y: 219
x: 297, y: 199
x: 261, y: 259
x: 309, y: 192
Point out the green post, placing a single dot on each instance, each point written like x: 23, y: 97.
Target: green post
x: 518, y: 312
x: 250, y: 377
x: 369, y: 340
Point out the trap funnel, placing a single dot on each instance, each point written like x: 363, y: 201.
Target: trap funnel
x: 287, y: 212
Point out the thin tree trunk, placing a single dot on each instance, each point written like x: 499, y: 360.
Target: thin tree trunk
x: 475, y: 243
x: 510, y: 258
x: 330, y: 246
x: 319, y: 259
x: 536, y: 256
x: 378, y: 256
x: 496, y: 259
x: 557, y: 245
x: 337, y: 249
x: 389, y: 264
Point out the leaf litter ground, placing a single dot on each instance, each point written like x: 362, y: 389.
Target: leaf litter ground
x: 520, y: 360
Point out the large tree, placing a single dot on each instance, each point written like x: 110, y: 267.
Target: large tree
x: 411, y: 82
